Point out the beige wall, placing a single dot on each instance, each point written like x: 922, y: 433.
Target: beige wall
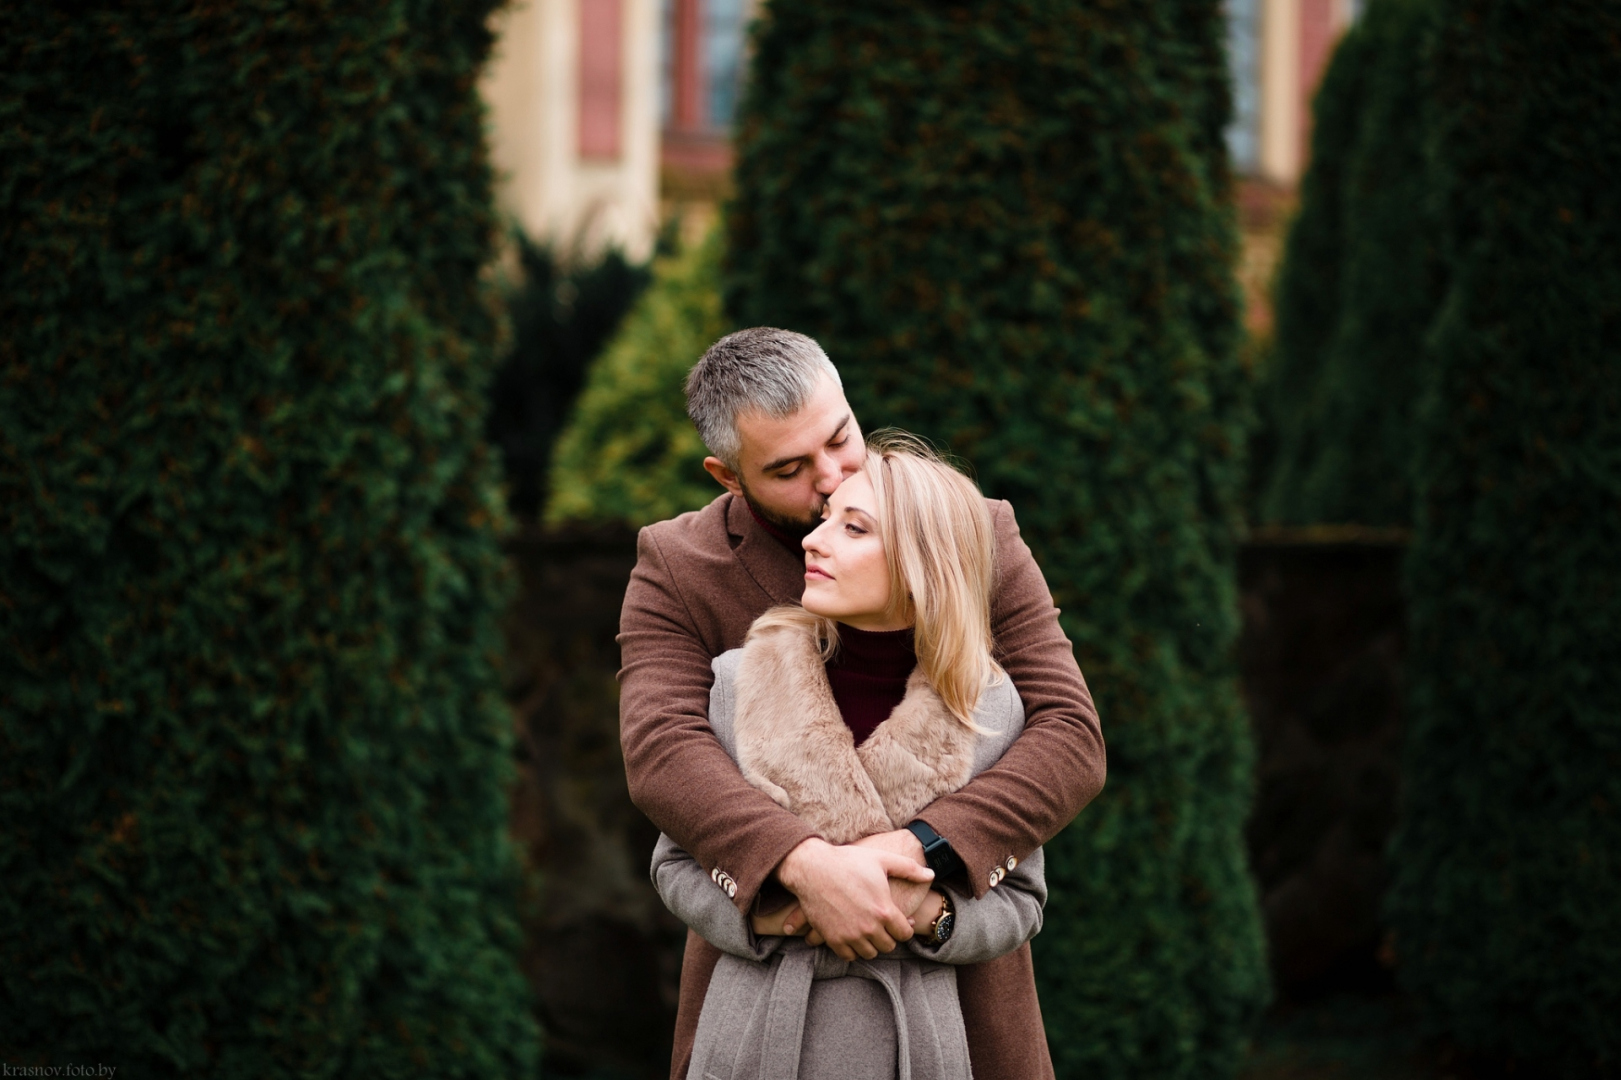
x: 1280, y: 107
x: 1284, y: 101
x: 531, y: 88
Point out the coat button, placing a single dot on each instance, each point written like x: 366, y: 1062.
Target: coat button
x: 731, y: 888
x: 1011, y: 863
x: 996, y: 876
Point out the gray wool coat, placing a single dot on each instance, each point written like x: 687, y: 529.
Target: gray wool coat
x: 778, y: 1008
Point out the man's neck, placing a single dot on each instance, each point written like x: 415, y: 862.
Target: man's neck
x: 778, y: 533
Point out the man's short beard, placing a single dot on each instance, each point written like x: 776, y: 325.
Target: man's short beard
x: 797, y: 529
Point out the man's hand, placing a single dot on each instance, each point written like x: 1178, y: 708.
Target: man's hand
x: 908, y: 895
x: 845, y: 894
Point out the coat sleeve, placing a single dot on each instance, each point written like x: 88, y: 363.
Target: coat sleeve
x: 1056, y: 766
x: 698, y: 900
x: 996, y: 923
x: 679, y: 774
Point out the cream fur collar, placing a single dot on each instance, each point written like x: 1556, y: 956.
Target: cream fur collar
x: 793, y: 744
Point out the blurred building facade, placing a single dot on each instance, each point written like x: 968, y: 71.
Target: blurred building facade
x: 598, y: 108
x: 572, y: 93
x: 608, y: 116
x: 1278, y: 50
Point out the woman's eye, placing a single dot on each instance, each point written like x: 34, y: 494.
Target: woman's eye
x: 855, y: 530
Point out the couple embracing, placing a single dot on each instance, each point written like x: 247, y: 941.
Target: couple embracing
x: 847, y: 702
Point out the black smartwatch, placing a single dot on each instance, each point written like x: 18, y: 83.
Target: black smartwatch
x: 936, y: 850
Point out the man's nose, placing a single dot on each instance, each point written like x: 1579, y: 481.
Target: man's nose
x: 828, y: 474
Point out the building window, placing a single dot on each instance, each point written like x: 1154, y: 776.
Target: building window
x: 725, y: 27
x: 1244, y: 61
x: 601, y: 74
x: 703, y: 59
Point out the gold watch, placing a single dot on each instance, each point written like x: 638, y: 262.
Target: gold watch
x: 940, y: 929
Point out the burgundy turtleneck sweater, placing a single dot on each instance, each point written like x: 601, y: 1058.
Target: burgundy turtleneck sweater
x: 869, y: 673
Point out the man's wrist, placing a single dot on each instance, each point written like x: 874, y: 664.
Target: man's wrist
x: 790, y: 869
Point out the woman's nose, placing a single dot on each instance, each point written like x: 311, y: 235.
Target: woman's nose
x: 813, y: 540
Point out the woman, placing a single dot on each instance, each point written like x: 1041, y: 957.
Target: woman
x: 856, y: 710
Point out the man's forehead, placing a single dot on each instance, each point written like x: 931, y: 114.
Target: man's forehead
x: 772, y: 441
x: 799, y: 443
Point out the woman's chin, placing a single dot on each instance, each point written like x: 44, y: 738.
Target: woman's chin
x: 818, y: 605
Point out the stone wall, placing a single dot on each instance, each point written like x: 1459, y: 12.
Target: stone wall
x: 1320, y: 661
x: 601, y: 951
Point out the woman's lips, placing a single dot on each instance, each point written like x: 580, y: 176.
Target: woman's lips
x: 817, y: 572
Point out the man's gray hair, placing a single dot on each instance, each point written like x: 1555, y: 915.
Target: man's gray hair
x: 762, y: 370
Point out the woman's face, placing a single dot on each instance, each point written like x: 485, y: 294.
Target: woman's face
x: 846, y: 576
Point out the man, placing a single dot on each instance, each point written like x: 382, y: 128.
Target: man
x: 771, y: 409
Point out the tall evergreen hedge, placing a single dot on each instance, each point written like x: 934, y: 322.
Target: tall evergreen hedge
x: 1358, y: 285
x: 1009, y: 227
x: 628, y: 454
x: 563, y: 313
x: 1508, y: 858
x: 252, y: 750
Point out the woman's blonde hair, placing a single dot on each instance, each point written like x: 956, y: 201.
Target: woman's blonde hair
x: 941, y: 549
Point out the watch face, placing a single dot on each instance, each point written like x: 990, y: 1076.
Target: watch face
x: 942, y: 927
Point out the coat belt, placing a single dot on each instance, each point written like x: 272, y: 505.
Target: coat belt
x: 902, y: 980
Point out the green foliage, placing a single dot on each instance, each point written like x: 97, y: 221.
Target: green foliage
x: 562, y: 315
x: 629, y: 454
x: 1358, y: 286
x: 1009, y: 228
x: 252, y: 747
x: 1508, y: 859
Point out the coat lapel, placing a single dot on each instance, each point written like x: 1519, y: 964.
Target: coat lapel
x: 793, y: 744
x: 918, y: 754
x: 772, y: 566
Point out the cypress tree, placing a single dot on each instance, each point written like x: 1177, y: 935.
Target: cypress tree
x: 1358, y: 285
x: 628, y: 454
x: 1009, y: 229
x: 1507, y: 863
x: 563, y: 313
x: 252, y: 747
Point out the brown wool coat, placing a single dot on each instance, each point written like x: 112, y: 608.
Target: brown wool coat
x: 700, y: 580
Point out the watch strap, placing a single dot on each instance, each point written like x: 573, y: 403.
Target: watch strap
x: 937, y: 850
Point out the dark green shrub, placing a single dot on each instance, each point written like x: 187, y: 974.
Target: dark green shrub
x: 562, y: 315
x: 1009, y: 228
x: 1508, y: 859
x: 252, y: 749
x: 1358, y: 286
x: 629, y: 455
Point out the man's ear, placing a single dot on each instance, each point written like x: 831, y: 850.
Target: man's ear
x: 724, y: 476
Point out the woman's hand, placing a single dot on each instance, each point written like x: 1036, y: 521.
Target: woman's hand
x: 787, y: 921
x: 928, y: 911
